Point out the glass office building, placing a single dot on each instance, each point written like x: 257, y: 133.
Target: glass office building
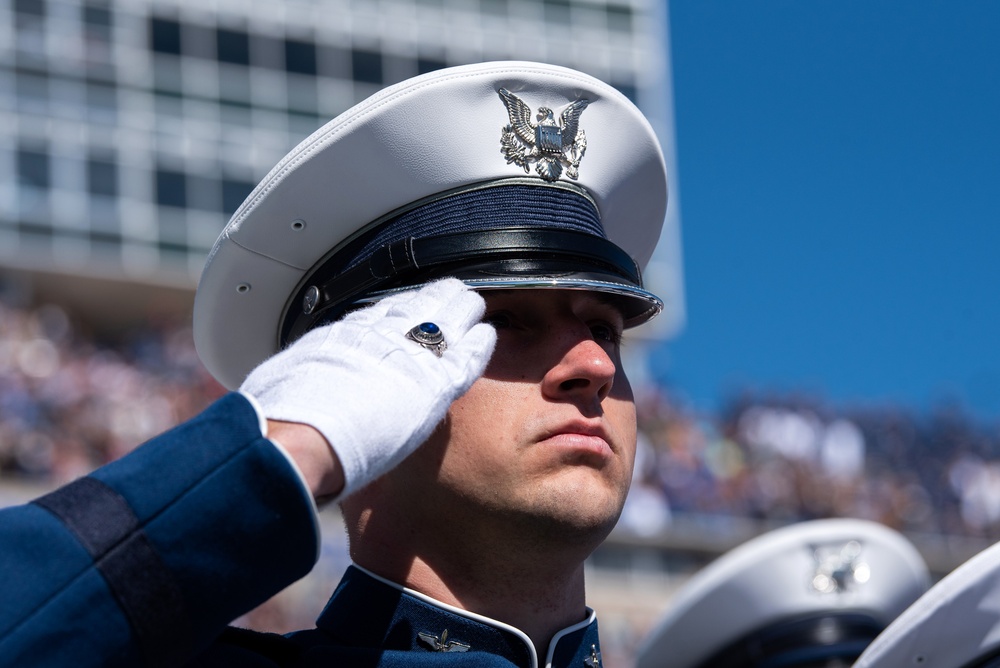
x: 131, y: 129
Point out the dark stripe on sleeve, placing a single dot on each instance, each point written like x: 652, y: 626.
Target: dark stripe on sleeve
x: 104, y: 523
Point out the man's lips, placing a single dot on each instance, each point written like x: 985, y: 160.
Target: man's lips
x: 581, y: 437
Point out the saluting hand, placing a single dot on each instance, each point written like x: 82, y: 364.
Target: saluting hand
x: 372, y: 393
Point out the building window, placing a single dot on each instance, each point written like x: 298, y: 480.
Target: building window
x: 30, y: 7
x: 29, y: 30
x: 171, y: 188
x: 425, y: 65
x: 32, y: 90
x: 165, y: 36
x: 105, y: 221
x: 557, y: 11
x: 620, y: 18
x: 300, y: 57
x: 200, y: 41
x: 96, y: 30
x: 627, y: 89
x: 234, y: 192
x: 302, y: 123
x: 97, y: 22
x: 102, y: 177
x: 494, y: 7
x: 232, y: 46
x: 172, y: 247
x: 98, y: 17
x: 366, y: 66
x: 105, y: 238
x: 235, y: 113
x: 34, y: 169
x: 101, y: 95
x: 202, y: 192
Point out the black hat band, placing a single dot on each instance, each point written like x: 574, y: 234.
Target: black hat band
x: 523, y: 251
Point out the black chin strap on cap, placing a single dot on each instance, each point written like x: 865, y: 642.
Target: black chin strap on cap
x: 524, y: 251
x: 831, y: 640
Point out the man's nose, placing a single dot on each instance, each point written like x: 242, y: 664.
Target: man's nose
x: 584, y: 370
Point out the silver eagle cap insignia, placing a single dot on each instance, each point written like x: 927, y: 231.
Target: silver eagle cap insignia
x: 550, y: 145
x: 839, y: 568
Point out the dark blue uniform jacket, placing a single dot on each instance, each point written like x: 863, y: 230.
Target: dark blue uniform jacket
x: 145, y: 561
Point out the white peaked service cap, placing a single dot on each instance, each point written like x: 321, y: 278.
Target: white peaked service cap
x: 803, y: 595
x: 503, y: 174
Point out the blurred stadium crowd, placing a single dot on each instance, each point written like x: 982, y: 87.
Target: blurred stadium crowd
x: 71, y: 401
x: 783, y: 459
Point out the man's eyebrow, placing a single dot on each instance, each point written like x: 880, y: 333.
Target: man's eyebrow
x: 610, y: 300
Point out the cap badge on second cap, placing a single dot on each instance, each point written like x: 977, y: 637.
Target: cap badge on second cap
x: 549, y: 144
x: 839, y: 568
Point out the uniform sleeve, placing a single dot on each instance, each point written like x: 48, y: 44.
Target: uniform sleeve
x: 146, y: 560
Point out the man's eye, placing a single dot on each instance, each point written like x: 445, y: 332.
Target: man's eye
x: 605, y: 332
x: 498, y: 320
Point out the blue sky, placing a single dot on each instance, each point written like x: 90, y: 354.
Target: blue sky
x: 839, y: 171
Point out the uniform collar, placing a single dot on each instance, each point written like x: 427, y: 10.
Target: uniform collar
x: 368, y: 610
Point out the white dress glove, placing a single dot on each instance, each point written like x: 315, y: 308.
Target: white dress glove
x: 374, y: 394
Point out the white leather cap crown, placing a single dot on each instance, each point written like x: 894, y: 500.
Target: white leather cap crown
x: 410, y: 142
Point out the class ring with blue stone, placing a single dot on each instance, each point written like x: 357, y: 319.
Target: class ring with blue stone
x: 430, y: 336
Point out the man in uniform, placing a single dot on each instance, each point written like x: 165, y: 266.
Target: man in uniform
x: 422, y: 308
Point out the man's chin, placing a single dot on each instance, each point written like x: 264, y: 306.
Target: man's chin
x: 574, y: 519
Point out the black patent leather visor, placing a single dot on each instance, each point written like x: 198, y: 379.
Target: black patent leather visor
x: 509, y: 258
x: 832, y: 639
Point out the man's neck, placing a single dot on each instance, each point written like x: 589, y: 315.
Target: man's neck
x: 533, y: 588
